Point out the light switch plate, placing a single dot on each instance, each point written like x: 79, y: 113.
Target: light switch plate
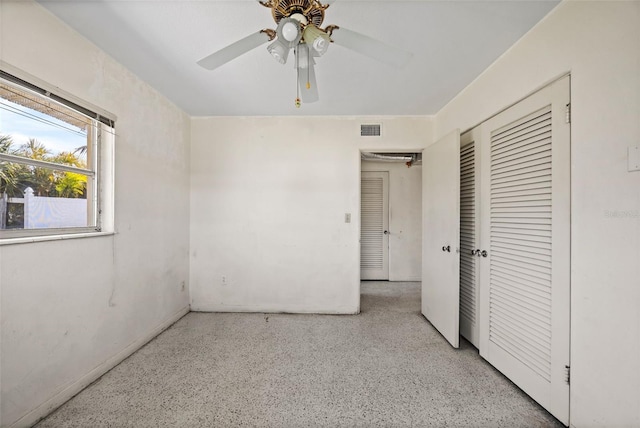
x: 634, y: 158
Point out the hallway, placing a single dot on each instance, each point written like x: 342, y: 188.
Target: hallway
x: 385, y: 367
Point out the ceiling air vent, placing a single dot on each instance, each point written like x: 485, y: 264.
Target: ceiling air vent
x: 370, y: 130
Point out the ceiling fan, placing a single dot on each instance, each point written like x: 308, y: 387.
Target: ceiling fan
x: 298, y: 29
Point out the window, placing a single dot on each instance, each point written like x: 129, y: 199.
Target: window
x: 54, y: 163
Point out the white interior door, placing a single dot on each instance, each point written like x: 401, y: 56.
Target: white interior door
x: 525, y: 281
x: 469, y: 237
x: 440, y: 236
x: 374, y: 226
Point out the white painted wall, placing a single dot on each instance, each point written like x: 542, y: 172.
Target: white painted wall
x: 599, y: 43
x: 72, y: 309
x: 268, y: 199
x: 405, y: 219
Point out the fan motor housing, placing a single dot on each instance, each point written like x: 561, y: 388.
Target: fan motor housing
x: 311, y: 9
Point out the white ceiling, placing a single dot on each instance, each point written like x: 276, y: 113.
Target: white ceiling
x: 160, y: 41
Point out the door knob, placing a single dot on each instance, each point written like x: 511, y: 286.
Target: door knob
x: 447, y: 249
x: 386, y: 232
x: 474, y: 252
x: 484, y: 253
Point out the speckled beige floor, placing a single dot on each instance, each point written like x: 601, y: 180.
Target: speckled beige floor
x: 386, y: 367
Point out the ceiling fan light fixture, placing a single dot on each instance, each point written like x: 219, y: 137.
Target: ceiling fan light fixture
x: 299, y: 28
x: 279, y: 50
x: 316, y: 38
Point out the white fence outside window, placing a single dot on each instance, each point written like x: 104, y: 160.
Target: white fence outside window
x: 47, y: 213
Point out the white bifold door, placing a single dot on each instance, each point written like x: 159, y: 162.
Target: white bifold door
x: 469, y: 237
x: 525, y: 243
x: 374, y: 226
x: 500, y: 195
x: 440, y: 236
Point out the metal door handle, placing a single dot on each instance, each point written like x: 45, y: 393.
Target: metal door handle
x: 474, y: 252
x: 484, y: 253
x: 386, y: 232
x: 447, y: 249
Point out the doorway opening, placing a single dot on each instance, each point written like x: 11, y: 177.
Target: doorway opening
x: 391, y: 216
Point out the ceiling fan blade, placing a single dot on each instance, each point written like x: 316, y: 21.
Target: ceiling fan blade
x: 308, y: 83
x: 370, y: 47
x: 234, y: 50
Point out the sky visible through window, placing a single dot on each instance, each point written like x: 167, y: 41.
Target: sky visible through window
x: 22, y: 123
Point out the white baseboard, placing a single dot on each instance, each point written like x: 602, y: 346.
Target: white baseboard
x: 275, y: 309
x: 75, y: 387
x: 406, y: 279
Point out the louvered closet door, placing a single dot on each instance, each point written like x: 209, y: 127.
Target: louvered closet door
x: 525, y: 277
x: 374, y: 226
x: 469, y: 223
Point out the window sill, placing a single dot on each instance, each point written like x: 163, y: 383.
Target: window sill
x: 44, y: 238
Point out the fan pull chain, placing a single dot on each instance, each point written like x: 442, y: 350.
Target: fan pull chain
x: 308, y: 67
x: 297, y: 77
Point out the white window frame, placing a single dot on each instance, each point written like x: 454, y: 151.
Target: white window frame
x: 100, y: 159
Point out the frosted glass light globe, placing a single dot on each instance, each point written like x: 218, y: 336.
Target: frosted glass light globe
x: 279, y: 51
x: 290, y: 31
x: 316, y: 38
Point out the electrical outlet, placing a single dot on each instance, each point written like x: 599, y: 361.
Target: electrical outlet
x: 347, y: 218
x: 183, y: 285
x: 224, y: 280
